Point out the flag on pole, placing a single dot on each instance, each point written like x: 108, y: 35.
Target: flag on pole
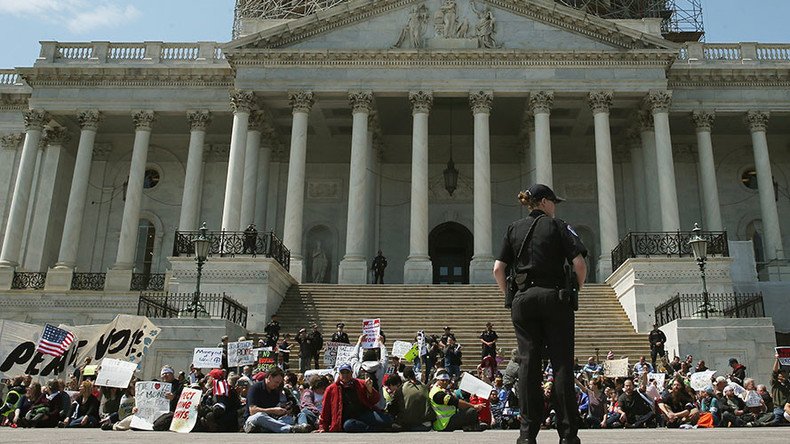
x: 54, y: 341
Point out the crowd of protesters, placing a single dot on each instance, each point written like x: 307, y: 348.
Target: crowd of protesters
x: 377, y: 392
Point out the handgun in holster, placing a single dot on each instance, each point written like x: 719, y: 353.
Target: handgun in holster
x: 570, y: 293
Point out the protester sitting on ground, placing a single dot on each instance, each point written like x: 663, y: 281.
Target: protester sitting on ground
x: 85, y: 409
x: 349, y: 405
x: 59, y: 404
x: 487, y: 369
x: 484, y: 417
x: 110, y: 401
x: 709, y: 404
x: 642, y: 367
x: 738, y: 371
x: 596, y: 402
x: 612, y: 418
x: 222, y: 404
x: 634, y: 410
x: 392, y: 382
x: 510, y: 375
x: 592, y: 368
x: 35, y: 409
x: 126, y: 407
x: 372, y: 365
x: 451, y: 412
x: 410, y: 407
x: 732, y: 409
x: 678, y: 407
x: 675, y: 364
x: 311, y: 401
x: 270, y: 408
x: 701, y: 367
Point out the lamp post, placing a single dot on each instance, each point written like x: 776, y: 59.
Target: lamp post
x: 202, y: 245
x: 699, y: 246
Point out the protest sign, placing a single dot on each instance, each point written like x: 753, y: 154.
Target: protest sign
x: 207, y: 357
x: 784, y: 356
x: 371, y: 328
x: 658, y: 377
x: 615, y: 368
x: 185, y: 416
x: 240, y: 354
x: 330, y: 353
x: 400, y: 348
x: 475, y: 386
x: 265, y: 360
x: 701, y: 380
x: 412, y: 354
x: 318, y: 372
x: 90, y: 370
x: 151, y: 403
x: 115, y: 373
x: 127, y: 338
x: 753, y: 399
x: 345, y: 353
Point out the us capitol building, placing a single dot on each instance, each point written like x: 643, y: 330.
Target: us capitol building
x: 408, y: 126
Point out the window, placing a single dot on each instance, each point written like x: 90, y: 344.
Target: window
x: 152, y: 178
x: 146, y: 235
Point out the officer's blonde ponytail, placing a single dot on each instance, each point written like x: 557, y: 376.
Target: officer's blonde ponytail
x: 527, y: 200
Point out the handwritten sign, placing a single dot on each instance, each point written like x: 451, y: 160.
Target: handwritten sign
x: 90, y: 370
x: 207, y: 357
x: 371, y: 328
x: 615, y: 368
x: 400, y: 348
x: 240, y: 354
x: 151, y: 403
x: 265, y: 361
x: 701, y: 380
x: 784, y: 356
x: 345, y: 353
x: 330, y: 353
x: 115, y: 373
x: 474, y: 386
x: 658, y: 377
x: 185, y: 416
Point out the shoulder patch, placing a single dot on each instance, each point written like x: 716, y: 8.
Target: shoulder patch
x: 570, y: 228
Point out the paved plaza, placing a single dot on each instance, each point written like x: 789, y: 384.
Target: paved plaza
x: 657, y: 436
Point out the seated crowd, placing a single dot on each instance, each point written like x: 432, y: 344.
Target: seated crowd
x: 375, y: 392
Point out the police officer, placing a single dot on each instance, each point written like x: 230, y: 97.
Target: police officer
x: 340, y: 335
x: 541, y: 319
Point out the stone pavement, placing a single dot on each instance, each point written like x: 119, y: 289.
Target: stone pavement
x: 658, y: 436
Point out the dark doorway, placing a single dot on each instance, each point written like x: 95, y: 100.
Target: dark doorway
x: 450, y: 248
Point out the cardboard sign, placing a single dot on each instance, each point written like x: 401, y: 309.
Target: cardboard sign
x: 474, y: 386
x: 615, y: 368
x: 412, y: 354
x: 401, y: 348
x: 240, y: 354
x: 151, y: 403
x: 345, y: 354
x: 658, y: 377
x: 185, y: 416
x: 371, y: 328
x: 784, y: 356
x: 330, y: 353
x: 701, y: 380
x: 115, y: 373
x: 90, y: 370
x: 265, y: 361
x: 752, y: 399
x: 207, y: 357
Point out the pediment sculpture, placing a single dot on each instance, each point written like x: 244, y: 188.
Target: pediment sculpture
x: 451, y: 29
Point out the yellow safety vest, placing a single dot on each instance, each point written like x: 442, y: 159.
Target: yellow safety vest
x: 443, y: 412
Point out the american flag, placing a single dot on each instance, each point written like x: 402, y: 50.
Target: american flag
x: 221, y: 387
x: 54, y: 341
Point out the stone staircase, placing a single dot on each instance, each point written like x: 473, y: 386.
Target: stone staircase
x: 404, y: 309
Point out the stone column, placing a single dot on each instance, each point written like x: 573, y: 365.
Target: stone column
x: 301, y: 104
x: 648, y: 136
x: 9, y: 147
x: 418, y: 268
x: 143, y: 123
x: 242, y: 103
x: 190, y: 201
x: 703, y: 121
x: 540, y: 103
x: 638, y: 173
x: 758, y: 124
x: 599, y: 102
x: 264, y: 176
x: 354, y: 267
x: 483, y: 259
x: 250, y: 189
x: 659, y: 102
x: 530, y: 122
x: 35, y: 120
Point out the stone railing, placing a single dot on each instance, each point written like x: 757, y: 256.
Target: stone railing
x: 122, y: 53
x: 9, y: 77
x: 735, y: 52
x: 666, y: 244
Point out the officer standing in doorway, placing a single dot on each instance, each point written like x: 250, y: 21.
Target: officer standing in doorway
x: 542, y: 313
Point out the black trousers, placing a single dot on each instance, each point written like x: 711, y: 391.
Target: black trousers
x: 378, y: 277
x: 543, y: 322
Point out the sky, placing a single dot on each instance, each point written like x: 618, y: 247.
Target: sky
x: 23, y: 23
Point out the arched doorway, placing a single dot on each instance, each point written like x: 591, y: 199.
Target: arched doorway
x: 450, y: 247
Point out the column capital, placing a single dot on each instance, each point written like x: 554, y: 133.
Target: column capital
x: 361, y: 101
x: 35, y: 119
x: 301, y: 101
x: 257, y: 120
x: 658, y: 101
x: 757, y: 120
x: 90, y: 119
x: 12, y: 141
x: 703, y: 120
x: 199, y: 120
x: 481, y: 101
x: 541, y: 102
x: 56, y: 135
x: 645, y: 120
x: 600, y: 101
x: 242, y: 101
x: 421, y: 101
x: 143, y: 120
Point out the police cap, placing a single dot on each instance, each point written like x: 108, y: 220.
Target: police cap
x: 540, y: 191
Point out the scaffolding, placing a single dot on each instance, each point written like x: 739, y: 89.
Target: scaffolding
x: 277, y: 10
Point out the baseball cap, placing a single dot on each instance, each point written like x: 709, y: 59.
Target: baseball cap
x: 442, y: 376
x: 344, y: 367
x: 540, y: 191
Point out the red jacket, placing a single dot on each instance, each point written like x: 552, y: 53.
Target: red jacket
x: 332, y: 406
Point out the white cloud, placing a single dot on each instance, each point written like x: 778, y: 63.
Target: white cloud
x: 78, y: 16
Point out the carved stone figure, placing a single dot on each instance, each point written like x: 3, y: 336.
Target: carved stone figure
x: 414, y: 30
x: 320, y: 263
x: 446, y: 21
x: 486, y: 27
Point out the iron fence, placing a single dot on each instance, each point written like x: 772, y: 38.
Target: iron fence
x: 147, y: 282
x: 235, y: 243
x: 720, y: 305
x: 179, y: 305
x: 28, y: 281
x: 88, y: 281
x: 669, y: 244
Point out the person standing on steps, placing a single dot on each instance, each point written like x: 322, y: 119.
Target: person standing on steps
x: 340, y: 335
x: 657, y: 340
x: 537, y: 247
x: 378, y: 267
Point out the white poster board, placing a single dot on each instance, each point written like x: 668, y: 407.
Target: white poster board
x: 330, y: 353
x: 240, y: 354
x: 371, y: 328
x: 149, y: 397
x: 185, y: 416
x: 658, y: 377
x: 701, y: 380
x: 615, y: 368
x: 115, y: 373
x: 401, y: 348
x: 753, y: 399
x: 475, y: 386
x: 784, y: 356
x: 345, y: 353
x: 207, y: 357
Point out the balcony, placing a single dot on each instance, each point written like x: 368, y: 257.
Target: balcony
x: 735, y: 53
x: 129, y: 53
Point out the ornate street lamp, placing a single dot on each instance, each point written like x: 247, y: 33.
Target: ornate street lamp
x: 699, y: 246
x: 202, y: 245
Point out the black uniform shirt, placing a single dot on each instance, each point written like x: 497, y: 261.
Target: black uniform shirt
x: 543, y: 258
